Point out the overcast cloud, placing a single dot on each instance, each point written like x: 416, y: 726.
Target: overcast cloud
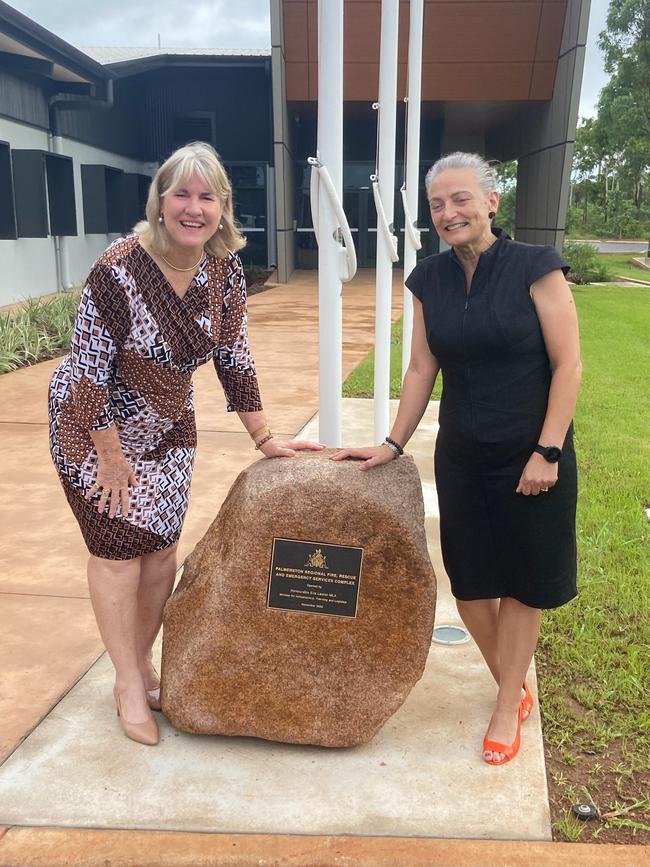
x: 197, y: 24
x: 220, y: 24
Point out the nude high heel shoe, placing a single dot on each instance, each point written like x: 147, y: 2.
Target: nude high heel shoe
x: 144, y: 733
x: 153, y: 695
x: 153, y: 698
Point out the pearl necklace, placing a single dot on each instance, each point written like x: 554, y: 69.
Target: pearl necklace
x: 176, y: 268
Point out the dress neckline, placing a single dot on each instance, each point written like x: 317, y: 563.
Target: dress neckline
x: 193, y: 282
x: 499, y: 234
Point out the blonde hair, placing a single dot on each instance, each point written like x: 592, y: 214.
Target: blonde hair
x: 200, y: 159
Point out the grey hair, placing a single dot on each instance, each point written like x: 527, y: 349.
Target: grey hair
x: 485, y: 174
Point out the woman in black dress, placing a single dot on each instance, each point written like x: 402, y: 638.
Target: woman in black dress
x: 498, y: 318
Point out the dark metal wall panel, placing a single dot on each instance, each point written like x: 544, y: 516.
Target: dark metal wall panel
x: 135, y: 188
x: 147, y: 107
x: 7, y: 210
x: 119, y: 128
x: 241, y: 134
x: 59, y: 171
x: 21, y: 100
x: 93, y: 187
x: 30, y: 193
x: 115, y: 203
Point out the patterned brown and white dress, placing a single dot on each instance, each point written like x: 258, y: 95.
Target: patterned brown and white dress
x: 135, y: 347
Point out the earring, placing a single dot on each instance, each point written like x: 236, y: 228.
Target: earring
x: 221, y: 225
x: 492, y: 214
x: 160, y: 219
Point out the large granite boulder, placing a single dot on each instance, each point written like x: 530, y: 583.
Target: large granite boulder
x: 305, y: 613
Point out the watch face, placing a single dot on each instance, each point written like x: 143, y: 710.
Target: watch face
x: 553, y: 454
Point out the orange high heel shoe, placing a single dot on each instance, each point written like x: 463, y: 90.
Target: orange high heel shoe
x: 527, y: 703
x: 509, y: 750
x: 144, y: 733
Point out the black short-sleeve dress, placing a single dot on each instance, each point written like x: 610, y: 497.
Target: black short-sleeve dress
x: 496, y: 380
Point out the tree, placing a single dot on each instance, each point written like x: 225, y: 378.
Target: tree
x: 611, y: 167
x: 507, y: 178
x: 624, y: 103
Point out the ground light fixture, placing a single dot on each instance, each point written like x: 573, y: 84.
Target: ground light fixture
x: 448, y: 634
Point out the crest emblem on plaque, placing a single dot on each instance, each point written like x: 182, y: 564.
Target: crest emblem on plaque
x: 317, y: 560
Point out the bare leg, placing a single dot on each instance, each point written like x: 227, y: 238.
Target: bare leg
x: 157, y: 575
x: 481, y: 617
x: 518, y: 631
x: 114, y: 595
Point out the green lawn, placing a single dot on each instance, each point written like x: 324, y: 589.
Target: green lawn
x: 594, y: 654
x: 620, y: 265
x: 360, y: 382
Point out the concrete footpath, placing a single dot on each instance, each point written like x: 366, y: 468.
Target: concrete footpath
x: 73, y: 790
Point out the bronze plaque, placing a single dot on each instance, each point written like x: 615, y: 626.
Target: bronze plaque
x: 314, y: 577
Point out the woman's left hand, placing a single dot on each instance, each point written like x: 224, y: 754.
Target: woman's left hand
x: 288, y: 448
x: 539, y: 476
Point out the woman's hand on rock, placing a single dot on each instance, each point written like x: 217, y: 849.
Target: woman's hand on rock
x: 538, y: 477
x: 114, y: 475
x: 371, y: 456
x: 287, y: 448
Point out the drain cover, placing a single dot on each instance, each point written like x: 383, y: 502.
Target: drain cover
x: 450, y: 635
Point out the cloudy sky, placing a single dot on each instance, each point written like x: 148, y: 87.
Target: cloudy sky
x: 218, y: 24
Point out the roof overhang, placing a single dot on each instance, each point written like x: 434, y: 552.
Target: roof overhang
x: 124, y: 68
x: 26, y: 48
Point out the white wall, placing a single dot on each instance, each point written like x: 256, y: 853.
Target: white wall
x: 83, y: 250
x: 28, y: 266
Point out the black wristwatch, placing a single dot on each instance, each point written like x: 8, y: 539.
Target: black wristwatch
x: 552, y: 454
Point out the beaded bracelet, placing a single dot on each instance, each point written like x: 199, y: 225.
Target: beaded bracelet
x: 265, y: 439
x: 395, y: 446
x: 391, y: 447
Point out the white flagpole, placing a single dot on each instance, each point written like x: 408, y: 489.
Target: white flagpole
x: 330, y: 154
x: 411, y: 235
x: 386, y: 180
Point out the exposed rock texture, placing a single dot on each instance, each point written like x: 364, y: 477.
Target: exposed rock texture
x: 232, y: 665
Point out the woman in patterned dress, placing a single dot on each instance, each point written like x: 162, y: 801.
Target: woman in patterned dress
x: 156, y: 305
x: 496, y: 316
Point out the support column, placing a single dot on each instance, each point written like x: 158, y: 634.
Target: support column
x: 412, y: 168
x: 330, y: 154
x: 386, y: 167
x: 282, y: 151
x: 548, y: 141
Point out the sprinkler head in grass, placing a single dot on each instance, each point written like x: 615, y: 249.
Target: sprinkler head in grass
x: 584, y: 812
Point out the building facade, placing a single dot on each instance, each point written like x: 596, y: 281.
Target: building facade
x: 499, y: 77
x: 81, y: 133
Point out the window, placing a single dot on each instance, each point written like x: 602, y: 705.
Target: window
x: 7, y: 210
x: 250, y: 206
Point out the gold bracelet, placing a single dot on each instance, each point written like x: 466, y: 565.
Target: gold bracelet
x: 265, y: 439
x: 265, y: 428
